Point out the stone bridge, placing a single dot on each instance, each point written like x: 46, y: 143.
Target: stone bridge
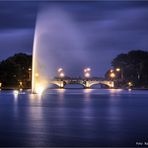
x: 86, y: 83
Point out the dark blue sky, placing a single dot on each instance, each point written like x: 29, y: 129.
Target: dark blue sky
x: 108, y: 28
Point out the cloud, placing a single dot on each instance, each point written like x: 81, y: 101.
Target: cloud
x: 14, y: 41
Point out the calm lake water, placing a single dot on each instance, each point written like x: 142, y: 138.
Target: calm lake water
x: 74, y: 117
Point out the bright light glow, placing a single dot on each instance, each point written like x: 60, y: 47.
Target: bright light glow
x: 21, y: 89
x: 87, y: 90
x: 21, y: 83
x: 36, y: 75
x: 112, y: 84
x: 118, y: 69
x: 130, y: 84
x: 88, y: 69
x: 85, y: 70
x: 129, y: 89
x: 39, y: 89
x: 87, y: 75
x: 112, y: 75
x: 62, y: 75
x: 29, y: 69
x: 15, y: 92
x: 60, y: 69
x: 111, y: 70
x: 62, y: 90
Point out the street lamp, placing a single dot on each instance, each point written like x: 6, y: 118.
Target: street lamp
x: 111, y: 70
x: 112, y: 75
x: 61, y: 72
x: 87, y: 75
x: 130, y: 84
x: 60, y: 69
x: 118, y: 69
x: 88, y: 69
x: 61, y: 75
x: 87, y: 72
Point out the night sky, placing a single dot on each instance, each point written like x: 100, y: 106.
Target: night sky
x: 108, y: 28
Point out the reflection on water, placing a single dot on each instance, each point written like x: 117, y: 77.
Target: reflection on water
x: 73, y: 117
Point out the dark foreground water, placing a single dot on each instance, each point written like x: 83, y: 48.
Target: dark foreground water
x: 74, y: 118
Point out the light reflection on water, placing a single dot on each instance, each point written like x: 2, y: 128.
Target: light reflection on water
x: 73, y: 118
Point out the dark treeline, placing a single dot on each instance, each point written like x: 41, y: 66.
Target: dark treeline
x: 15, y: 69
x: 134, y: 68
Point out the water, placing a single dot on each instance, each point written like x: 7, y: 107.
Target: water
x: 74, y: 118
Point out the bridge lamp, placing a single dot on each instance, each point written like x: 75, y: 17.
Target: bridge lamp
x: 85, y: 70
x: 62, y: 75
x: 60, y: 69
x: 111, y: 70
x: 21, y: 83
x: 130, y: 84
x: 112, y: 75
x: 88, y: 69
x: 118, y: 69
x: 87, y: 75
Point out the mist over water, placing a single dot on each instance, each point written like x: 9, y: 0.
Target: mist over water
x: 56, y: 32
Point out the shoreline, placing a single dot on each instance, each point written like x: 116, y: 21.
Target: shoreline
x: 15, y: 88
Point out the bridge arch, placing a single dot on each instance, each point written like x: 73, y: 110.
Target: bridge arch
x: 110, y: 84
x: 98, y: 86
x: 53, y: 85
x: 84, y: 83
x: 79, y: 85
x: 57, y: 83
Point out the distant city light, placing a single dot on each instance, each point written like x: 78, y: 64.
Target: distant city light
x: 29, y: 69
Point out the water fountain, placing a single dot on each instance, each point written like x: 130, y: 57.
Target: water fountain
x: 57, y: 42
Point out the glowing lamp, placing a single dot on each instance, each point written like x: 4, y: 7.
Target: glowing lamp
x: 62, y: 75
x: 60, y: 69
x: 130, y: 84
x: 87, y: 75
x: 118, y: 69
x: 112, y: 75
